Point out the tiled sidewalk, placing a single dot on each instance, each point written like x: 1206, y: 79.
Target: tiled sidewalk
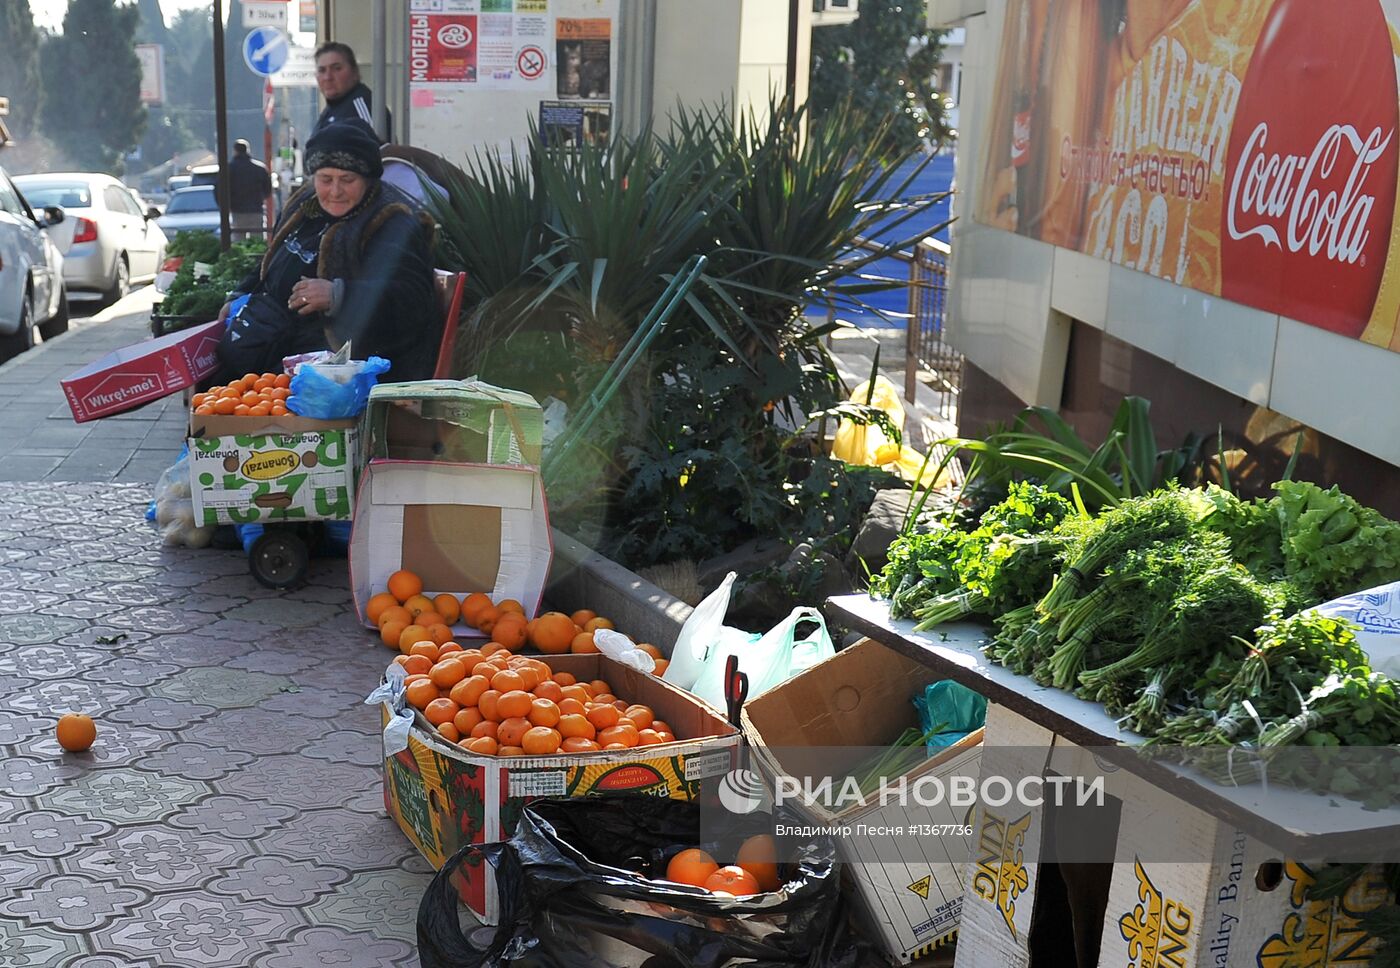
x: 230, y: 813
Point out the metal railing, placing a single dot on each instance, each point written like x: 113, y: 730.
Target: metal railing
x: 925, y: 347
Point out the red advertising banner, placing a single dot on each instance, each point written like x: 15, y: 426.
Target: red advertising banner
x: 1243, y: 148
x: 442, y: 48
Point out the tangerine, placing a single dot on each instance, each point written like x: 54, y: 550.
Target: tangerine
x: 511, y: 751
x: 412, y: 635
x: 390, y: 632
x: 448, y: 731
x: 641, y: 716
x: 486, y: 618
x: 578, y: 744
x: 510, y: 605
x: 467, y: 719
x: 417, y: 603
x: 426, y: 649
x: 624, y: 733
x: 541, y: 741
x: 569, y: 707
x: 421, y: 692
x: 594, y: 624
x: 414, y: 665
x: 583, y: 616
x: 472, y: 606
x: 76, y: 732
x: 468, y: 692
x: 428, y: 618
x: 507, y: 680
x: 603, y: 717
x: 487, y: 727
x: 441, y: 711
x: 447, y: 673
x: 439, y: 633
x: 599, y: 686
x: 549, y: 689
x: 661, y: 666
x: 486, y: 702
x: 513, y: 730
x: 394, y: 613
x: 582, y: 644
x: 565, y: 678
x: 510, y: 634
x: 576, y: 726
x: 551, y: 633
x: 692, y: 866
x: 759, y: 856
x: 517, y: 702
x: 543, y: 713
x: 649, y: 737
x: 377, y: 604
x: 447, y: 606
x: 732, y: 880
x: 650, y: 650
x: 483, y: 746
x: 404, y: 584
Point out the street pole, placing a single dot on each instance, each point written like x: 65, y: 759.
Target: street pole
x: 269, y: 110
x: 381, y: 71
x: 221, y: 125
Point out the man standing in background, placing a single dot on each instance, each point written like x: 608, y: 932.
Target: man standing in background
x: 249, y: 188
x: 338, y: 77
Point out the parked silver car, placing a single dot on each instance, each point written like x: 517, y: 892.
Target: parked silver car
x: 108, y: 240
x: 193, y: 209
x: 32, y: 294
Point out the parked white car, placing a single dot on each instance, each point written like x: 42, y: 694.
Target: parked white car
x: 108, y: 240
x: 193, y: 209
x: 32, y: 293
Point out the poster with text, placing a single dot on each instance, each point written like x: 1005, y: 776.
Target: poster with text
x: 1245, y: 149
x: 442, y: 47
x: 583, y: 57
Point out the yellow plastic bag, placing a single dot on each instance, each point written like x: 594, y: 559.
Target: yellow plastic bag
x: 870, y: 446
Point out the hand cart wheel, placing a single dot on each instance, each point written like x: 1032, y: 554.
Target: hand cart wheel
x: 279, y: 558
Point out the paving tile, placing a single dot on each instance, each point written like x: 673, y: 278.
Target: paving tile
x: 117, y: 745
x: 136, y: 672
x: 314, y: 703
x: 27, y: 946
x: 275, y: 662
x: 335, y: 946
x: 23, y: 777
x: 297, y: 781
x: 252, y: 731
x: 196, y: 761
x: 71, y: 694
x: 365, y: 750
x: 46, y: 833
x: 72, y: 903
x: 127, y: 796
x: 16, y: 728
x: 158, y: 712
x: 277, y: 880
x: 225, y: 688
x: 195, y: 929
x: 36, y: 629
x: 355, y: 840
x: 158, y: 858
x: 234, y: 817
x: 383, y: 903
x: 285, y: 613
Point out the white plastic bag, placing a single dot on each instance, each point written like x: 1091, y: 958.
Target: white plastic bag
x: 620, y: 648
x: 175, y: 508
x: 1377, y: 611
x: 772, y: 660
x: 704, y: 636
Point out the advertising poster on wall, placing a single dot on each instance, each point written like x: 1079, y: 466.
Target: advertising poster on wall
x: 568, y: 124
x: 583, y: 57
x: 1246, y: 149
x: 442, y: 47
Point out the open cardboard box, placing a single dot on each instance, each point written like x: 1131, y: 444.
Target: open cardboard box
x: 462, y: 528
x: 444, y: 797
x: 270, y: 469
x: 454, y: 421
x: 861, y: 697
x: 135, y: 375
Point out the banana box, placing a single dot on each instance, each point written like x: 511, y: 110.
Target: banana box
x: 246, y: 470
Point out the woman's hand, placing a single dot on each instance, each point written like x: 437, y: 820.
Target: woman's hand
x: 311, y: 296
x: 223, y: 310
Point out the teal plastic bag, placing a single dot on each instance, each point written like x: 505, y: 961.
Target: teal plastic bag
x: 953, y: 707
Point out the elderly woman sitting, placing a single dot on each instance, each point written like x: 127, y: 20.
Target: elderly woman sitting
x: 349, y: 261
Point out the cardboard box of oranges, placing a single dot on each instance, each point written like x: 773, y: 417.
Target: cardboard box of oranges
x: 253, y: 462
x: 444, y: 795
x: 460, y: 528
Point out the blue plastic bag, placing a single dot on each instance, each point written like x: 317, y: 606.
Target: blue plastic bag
x: 952, y: 705
x: 316, y: 395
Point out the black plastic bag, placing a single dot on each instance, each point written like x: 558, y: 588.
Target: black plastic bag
x: 574, y: 894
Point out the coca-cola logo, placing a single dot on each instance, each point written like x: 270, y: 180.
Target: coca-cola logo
x: 1311, y: 167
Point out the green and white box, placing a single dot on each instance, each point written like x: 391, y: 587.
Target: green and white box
x: 246, y: 470
x: 453, y: 421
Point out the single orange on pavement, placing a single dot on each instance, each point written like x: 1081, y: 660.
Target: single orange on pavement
x: 76, y: 732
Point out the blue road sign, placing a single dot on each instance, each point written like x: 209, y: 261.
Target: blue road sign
x: 265, y: 50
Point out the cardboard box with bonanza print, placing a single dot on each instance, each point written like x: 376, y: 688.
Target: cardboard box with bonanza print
x: 246, y: 470
x: 444, y: 797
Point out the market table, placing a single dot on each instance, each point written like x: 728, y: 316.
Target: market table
x: 1305, y: 825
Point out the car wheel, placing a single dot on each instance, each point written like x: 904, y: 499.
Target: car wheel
x: 121, y: 281
x: 59, y: 323
x: 22, y: 338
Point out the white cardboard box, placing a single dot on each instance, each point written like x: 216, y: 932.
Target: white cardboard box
x: 862, y: 697
x: 461, y: 527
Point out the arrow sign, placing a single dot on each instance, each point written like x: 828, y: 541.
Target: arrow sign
x: 265, y: 51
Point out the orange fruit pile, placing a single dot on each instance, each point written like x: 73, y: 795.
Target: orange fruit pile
x: 755, y: 869
x: 499, y: 704
x: 255, y: 395
x: 406, y: 616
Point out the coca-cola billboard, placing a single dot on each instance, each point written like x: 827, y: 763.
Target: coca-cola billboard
x: 1246, y: 149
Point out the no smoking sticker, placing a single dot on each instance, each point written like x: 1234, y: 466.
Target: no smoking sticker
x: 530, y: 62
